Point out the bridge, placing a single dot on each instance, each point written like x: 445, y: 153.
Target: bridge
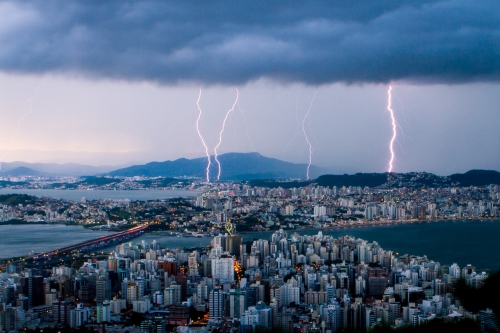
x: 94, y: 243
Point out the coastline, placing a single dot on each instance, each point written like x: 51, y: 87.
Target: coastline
x: 371, y: 224
x: 453, y: 240
x: 100, y: 194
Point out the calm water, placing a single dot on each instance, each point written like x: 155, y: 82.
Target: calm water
x: 76, y: 195
x: 463, y: 242
x: 19, y: 240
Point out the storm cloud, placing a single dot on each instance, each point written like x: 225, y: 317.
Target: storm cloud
x: 234, y: 42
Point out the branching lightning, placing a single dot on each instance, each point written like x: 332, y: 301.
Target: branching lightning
x: 305, y: 135
x: 19, y: 123
x: 246, y: 126
x: 394, y: 132
x: 201, y: 137
x: 296, y: 118
x: 403, y: 145
x: 222, y: 130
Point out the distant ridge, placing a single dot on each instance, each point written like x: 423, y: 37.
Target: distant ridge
x: 393, y: 180
x: 477, y: 177
x: 22, y: 171
x: 51, y: 169
x: 234, y: 166
x: 253, y: 167
x: 358, y: 179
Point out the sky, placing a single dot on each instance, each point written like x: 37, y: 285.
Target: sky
x: 116, y: 83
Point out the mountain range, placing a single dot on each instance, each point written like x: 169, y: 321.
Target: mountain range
x: 393, y: 180
x: 51, y: 169
x: 234, y: 166
x: 260, y: 170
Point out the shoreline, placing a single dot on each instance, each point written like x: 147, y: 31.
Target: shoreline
x: 307, y: 228
x: 103, y: 194
x: 370, y: 224
x: 249, y: 234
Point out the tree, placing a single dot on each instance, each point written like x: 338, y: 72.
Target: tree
x: 475, y: 299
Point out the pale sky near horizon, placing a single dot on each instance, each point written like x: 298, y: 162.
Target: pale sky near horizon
x: 113, y: 88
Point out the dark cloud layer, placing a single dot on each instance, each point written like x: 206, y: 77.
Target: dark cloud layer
x: 232, y: 41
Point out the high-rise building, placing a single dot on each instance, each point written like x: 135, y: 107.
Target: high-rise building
x: 216, y: 303
x: 142, y: 305
x: 489, y: 321
x: 14, y: 318
x: 104, y: 312
x: 193, y: 265
x: 207, y: 266
x: 369, y: 213
x: 455, y: 271
x: 330, y: 314
x: 32, y: 287
x: 200, y: 201
x: 261, y: 249
x: 169, y: 266
x: 179, y: 315
x: 132, y: 293
x: 233, y: 243
x: 172, y: 295
x: 22, y: 302
x: 79, y: 316
x: 237, y: 303
x: 61, y: 310
x: 51, y: 297
x: 289, y: 293
x: 284, y: 321
x: 223, y: 268
x: 319, y: 211
x: 154, y: 325
x: 250, y: 318
x: 117, y: 305
x: 377, y: 282
x: 103, y: 289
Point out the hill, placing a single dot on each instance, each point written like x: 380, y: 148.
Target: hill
x: 16, y: 199
x: 477, y: 178
x: 22, y: 171
x: 392, y: 180
x: 52, y: 169
x: 234, y: 166
x: 359, y: 179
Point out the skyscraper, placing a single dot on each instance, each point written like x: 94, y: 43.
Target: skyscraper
x: 223, y: 268
x: 103, y: 312
x: 233, y: 243
x: 103, y: 289
x: 237, y: 303
x: 216, y: 303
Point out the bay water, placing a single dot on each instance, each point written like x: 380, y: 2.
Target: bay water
x: 77, y: 195
x: 475, y: 242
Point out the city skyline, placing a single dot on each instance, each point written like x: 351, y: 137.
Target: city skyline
x: 246, y: 167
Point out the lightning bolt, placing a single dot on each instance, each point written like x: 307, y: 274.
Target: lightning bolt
x: 201, y: 137
x: 393, y: 120
x: 222, y: 130
x: 246, y: 126
x: 19, y: 123
x: 403, y: 145
x: 305, y: 135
